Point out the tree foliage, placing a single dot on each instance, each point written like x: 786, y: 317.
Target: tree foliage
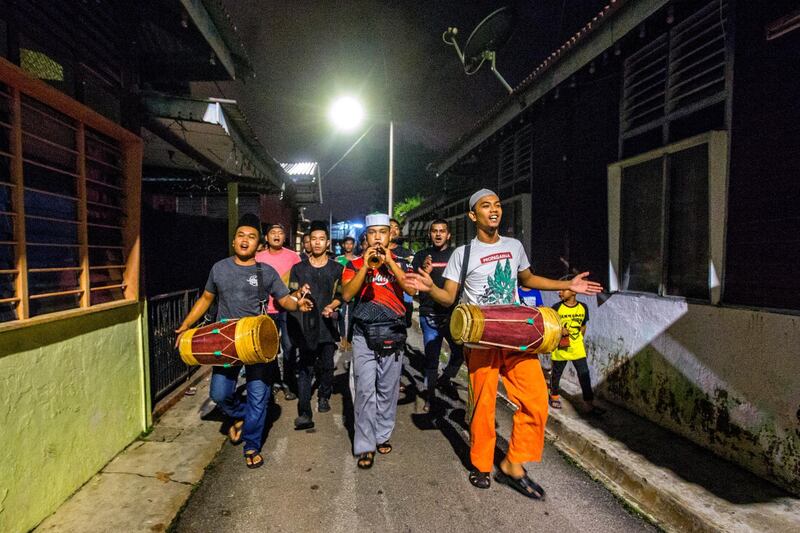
x: 402, y: 208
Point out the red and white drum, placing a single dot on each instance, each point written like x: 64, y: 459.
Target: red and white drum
x: 513, y: 327
x: 235, y: 341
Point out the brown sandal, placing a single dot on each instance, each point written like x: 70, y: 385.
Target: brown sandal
x: 365, y: 460
x: 253, y: 459
x: 235, y: 432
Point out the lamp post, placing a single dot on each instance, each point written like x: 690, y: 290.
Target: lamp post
x: 347, y: 114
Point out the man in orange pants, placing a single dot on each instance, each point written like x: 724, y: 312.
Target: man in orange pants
x: 486, y: 272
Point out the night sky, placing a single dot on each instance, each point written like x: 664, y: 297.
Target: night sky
x: 390, y: 54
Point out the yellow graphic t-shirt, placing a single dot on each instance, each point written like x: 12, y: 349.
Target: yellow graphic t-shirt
x: 573, y: 318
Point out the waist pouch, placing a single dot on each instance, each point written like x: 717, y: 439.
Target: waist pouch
x: 384, y: 338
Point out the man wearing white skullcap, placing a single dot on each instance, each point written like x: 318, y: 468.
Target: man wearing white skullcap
x: 494, y: 266
x: 377, y: 281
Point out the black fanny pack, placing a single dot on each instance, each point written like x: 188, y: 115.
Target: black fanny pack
x: 384, y: 338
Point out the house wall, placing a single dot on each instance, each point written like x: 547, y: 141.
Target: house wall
x: 724, y: 378
x: 72, y: 396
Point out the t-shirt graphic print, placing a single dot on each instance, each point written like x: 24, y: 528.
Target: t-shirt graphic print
x: 492, y: 271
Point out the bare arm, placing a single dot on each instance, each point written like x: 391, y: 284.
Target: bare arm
x: 351, y: 288
x: 422, y: 281
x: 578, y: 284
x: 198, y: 310
x: 296, y: 301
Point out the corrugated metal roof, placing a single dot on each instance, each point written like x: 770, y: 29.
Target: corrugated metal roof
x: 309, y: 168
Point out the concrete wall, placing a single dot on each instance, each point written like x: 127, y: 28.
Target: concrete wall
x: 728, y: 379
x: 71, y: 397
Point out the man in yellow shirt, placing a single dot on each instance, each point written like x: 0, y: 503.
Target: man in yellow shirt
x: 573, y: 316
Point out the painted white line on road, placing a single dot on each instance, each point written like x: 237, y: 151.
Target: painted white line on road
x: 346, y: 518
x: 281, y: 445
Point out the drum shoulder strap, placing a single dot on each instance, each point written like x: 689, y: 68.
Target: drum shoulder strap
x: 463, y: 277
x: 262, y: 290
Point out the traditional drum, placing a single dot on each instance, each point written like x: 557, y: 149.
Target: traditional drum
x: 514, y: 327
x: 229, y: 342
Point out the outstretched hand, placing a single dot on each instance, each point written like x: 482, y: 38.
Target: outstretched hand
x: 421, y: 280
x: 581, y: 285
x: 303, y: 303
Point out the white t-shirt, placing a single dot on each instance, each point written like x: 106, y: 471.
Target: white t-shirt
x: 492, y: 271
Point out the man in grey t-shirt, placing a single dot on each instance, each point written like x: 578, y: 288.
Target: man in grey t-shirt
x: 234, y: 282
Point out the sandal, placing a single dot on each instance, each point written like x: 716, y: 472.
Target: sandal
x: 555, y: 402
x: 480, y: 479
x: 385, y: 448
x: 524, y: 485
x: 235, y: 432
x: 253, y: 459
x: 365, y: 460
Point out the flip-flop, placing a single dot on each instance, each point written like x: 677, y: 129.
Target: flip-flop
x: 365, y: 460
x: 250, y: 459
x: 480, y: 479
x: 524, y: 485
x: 235, y: 432
x: 385, y: 448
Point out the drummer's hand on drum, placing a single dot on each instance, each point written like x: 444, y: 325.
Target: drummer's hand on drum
x: 179, y: 332
x: 581, y: 285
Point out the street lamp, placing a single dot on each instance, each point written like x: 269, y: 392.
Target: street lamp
x: 346, y: 114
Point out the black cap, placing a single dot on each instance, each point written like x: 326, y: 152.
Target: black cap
x: 272, y: 225
x: 249, y: 220
x: 318, y: 225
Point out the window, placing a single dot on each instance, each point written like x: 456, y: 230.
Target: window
x: 666, y: 213
x: 515, y: 161
x: 68, y: 203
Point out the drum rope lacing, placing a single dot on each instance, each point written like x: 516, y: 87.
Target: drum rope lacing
x: 219, y: 353
x: 520, y: 348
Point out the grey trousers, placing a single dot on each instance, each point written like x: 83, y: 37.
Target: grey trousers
x: 376, y: 391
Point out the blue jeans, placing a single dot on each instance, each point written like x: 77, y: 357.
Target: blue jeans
x: 288, y: 355
x: 434, y: 331
x: 254, y: 411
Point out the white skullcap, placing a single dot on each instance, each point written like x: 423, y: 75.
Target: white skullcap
x: 478, y: 195
x: 377, y: 219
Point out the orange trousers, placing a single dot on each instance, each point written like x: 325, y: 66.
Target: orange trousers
x: 524, y: 382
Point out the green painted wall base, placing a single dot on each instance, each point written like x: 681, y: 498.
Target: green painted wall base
x: 72, y: 396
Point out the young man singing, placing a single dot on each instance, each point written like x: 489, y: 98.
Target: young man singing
x: 315, y: 333
x: 434, y: 319
x: 377, y: 282
x: 282, y: 259
x: 495, y: 265
x: 234, y: 282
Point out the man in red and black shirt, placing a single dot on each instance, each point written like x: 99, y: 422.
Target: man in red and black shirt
x: 376, y: 282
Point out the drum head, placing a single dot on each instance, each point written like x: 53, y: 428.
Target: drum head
x: 268, y: 339
x: 460, y: 322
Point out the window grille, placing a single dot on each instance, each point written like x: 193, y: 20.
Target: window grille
x: 68, y: 203
x: 679, y: 73
x: 515, y: 157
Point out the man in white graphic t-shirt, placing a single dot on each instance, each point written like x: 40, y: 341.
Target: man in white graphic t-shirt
x: 496, y: 264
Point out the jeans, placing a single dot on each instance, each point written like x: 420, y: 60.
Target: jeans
x: 254, y: 410
x: 288, y: 356
x: 582, y: 368
x: 322, y: 360
x: 433, y: 333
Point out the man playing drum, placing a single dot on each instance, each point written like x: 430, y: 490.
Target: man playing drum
x: 489, y: 280
x: 234, y: 282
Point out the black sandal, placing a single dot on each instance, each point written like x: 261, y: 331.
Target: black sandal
x: 365, y: 460
x: 480, y: 479
x: 524, y: 485
x: 253, y: 459
x: 384, y: 448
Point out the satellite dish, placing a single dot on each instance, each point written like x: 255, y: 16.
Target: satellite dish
x: 489, y: 36
x: 485, y: 40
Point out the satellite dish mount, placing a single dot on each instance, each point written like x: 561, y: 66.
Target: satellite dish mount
x: 490, y: 35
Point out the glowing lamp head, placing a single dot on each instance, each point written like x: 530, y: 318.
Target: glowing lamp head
x: 346, y: 113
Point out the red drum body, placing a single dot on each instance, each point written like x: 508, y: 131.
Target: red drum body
x: 236, y: 341
x: 513, y: 327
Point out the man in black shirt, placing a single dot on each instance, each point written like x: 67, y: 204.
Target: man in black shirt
x: 315, y: 333
x: 234, y: 283
x: 434, y: 319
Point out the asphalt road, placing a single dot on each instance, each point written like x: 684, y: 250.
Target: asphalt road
x: 310, y: 481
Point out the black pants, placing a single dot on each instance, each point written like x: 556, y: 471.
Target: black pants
x: 582, y: 368
x: 320, y: 360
